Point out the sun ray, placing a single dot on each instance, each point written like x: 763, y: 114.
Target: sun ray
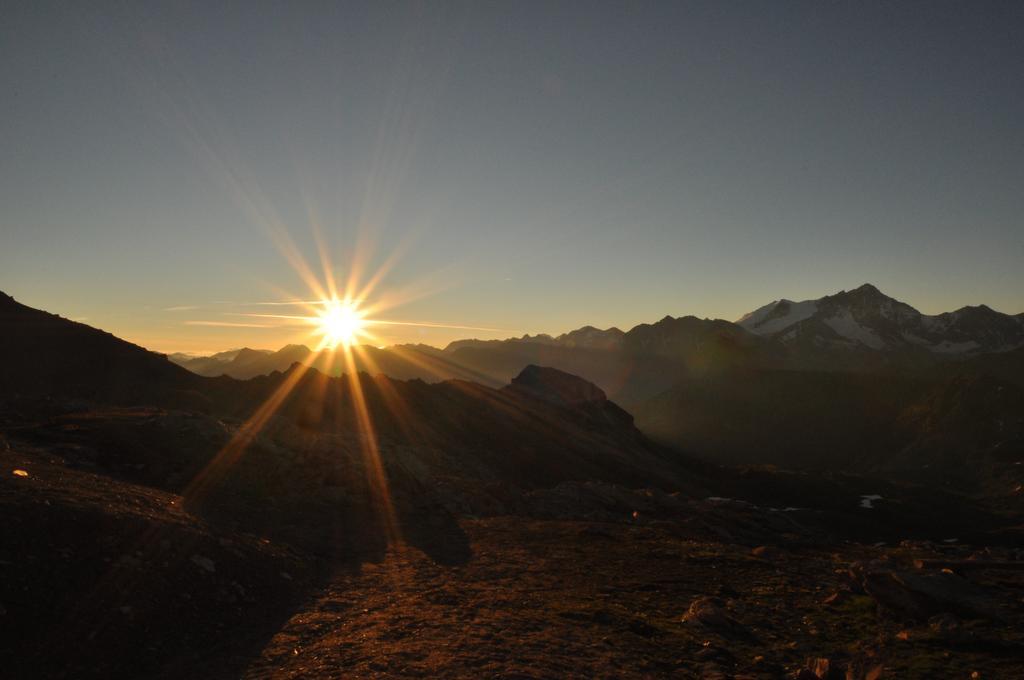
x: 375, y: 472
x: 214, y: 471
x: 413, y: 429
x: 286, y: 246
x: 325, y: 260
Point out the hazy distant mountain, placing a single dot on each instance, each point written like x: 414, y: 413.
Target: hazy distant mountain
x: 225, y: 356
x: 665, y: 336
x: 867, y: 318
x: 223, y: 363
x: 251, y: 362
x: 586, y: 337
x: 540, y: 339
x: 630, y: 366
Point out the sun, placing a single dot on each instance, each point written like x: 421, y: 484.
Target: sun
x: 341, y: 323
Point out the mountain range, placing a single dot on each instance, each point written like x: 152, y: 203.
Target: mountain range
x: 838, y: 382
x: 853, y: 381
x: 149, y: 509
x: 705, y: 392
x: 850, y: 330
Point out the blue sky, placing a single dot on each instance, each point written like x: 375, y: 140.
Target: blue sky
x: 533, y: 166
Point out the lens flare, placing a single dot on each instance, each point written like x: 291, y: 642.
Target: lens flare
x: 340, y: 323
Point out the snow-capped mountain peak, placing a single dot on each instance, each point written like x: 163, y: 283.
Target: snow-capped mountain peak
x: 866, y: 318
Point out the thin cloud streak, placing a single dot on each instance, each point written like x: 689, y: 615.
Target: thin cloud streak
x: 287, y: 317
x: 289, y: 303
x: 228, y: 324
x: 426, y: 324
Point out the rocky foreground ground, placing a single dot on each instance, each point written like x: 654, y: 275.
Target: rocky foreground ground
x: 556, y: 599
x: 105, y: 578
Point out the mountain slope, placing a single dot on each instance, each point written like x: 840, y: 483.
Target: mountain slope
x: 824, y: 420
x: 961, y: 430
x: 527, y: 433
x: 48, y: 355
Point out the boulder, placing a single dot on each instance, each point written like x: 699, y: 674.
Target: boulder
x: 916, y: 596
x: 708, y: 613
x: 767, y: 552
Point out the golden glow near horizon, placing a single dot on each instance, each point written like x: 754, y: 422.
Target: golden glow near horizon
x: 341, y: 322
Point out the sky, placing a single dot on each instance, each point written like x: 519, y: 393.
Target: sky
x: 515, y: 167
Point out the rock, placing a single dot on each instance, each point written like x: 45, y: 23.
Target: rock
x: 568, y: 391
x: 709, y: 652
x: 204, y: 563
x: 916, y: 596
x: 837, y: 598
x: 707, y: 612
x: 863, y: 670
x: 821, y: 668
x: 557, y: 387
x: 766, y: 552
x: 856, y: 572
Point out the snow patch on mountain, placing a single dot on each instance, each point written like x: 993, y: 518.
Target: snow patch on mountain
x: 848, y: 327
x: 778, y: 316
x: 751, y: 319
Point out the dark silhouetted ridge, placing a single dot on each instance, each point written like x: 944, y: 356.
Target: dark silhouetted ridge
x: 47, y: 355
